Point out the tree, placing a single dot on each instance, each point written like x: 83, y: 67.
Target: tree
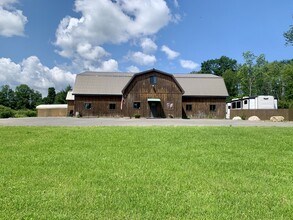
x: 232, y: 83
x: 50, y: 99
x: 219, y: 66
x: 61, y: 96
x: 26, y: 98
x: 7, y: 97
x: 289, y: 36
x: 250, y: 72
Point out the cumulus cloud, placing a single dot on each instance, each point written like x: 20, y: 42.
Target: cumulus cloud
x: 110, y: 22
x: 88, y: 52
x: 33, y: 73
x: 105, y: 21
x: 171, y: 54
x: 142, y: 58
x: 148, y: 46
x: 188, y: 64
x: 12, y: 21
x: 109, y: 66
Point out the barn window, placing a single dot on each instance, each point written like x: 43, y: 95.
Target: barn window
x: 153, y: 80
x: 188, y: 107
x: 212, y: 108
x: 112, y: 106
x: 245, y: 102
x: 87, y: 105
x: 136, y: 105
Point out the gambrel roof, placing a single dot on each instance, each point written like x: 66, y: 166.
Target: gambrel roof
x: 113, y: 83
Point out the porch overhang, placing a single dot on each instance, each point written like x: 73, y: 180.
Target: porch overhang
x: 154, y: 100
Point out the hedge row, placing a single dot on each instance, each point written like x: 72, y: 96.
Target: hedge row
x: 6, y: 112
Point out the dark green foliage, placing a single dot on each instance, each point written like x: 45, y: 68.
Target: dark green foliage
x: 218, y: 66
x: 6, y: 112
x: 232, y: 81
x: 25, y: 113
x: 289, y: 36
x: 27, y: 98
x: 7, y: 97
x: 61, y: 96
x: 50, y: 99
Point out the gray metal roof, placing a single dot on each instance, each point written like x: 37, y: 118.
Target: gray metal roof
x: 202, y: 85
x: 112, y: 83
x: 102, y: 83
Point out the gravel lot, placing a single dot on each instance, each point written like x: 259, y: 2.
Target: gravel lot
x: 67, y: 121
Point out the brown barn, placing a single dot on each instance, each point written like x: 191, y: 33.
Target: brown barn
x: 151, y: 93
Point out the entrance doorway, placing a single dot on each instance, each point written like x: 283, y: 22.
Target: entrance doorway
x: 154, y: 109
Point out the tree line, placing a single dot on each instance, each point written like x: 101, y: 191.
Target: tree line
x: 24, y: 97
x: 256, y: 76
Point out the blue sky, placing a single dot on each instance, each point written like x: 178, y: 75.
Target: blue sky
x: 44, y: 43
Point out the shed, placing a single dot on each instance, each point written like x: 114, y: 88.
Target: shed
x: 56, y: 110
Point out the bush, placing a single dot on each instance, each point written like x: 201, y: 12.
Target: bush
x: 136, y: 115
x: 6, y: 112
x: 285, y: 104
x: 25, y: 113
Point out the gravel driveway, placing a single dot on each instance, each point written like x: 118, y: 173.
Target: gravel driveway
x: 67, y: 121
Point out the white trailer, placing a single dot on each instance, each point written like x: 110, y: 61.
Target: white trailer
x: 256, y: 102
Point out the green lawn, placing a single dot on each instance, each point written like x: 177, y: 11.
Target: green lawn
x: 146, y: 173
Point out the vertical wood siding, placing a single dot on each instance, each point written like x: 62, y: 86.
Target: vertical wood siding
x: 201, y: 107
x: 140, y: 90
x: 99, y: 105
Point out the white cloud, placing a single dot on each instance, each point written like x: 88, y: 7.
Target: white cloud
x: 142, y: 58
x: 33, y: 73
x: 133, y: 69
x: 109, y: 22
x: 12, y: 21
x: 188, y: 64
x: 148, y: 46
x: 109, y: 66
x: 105, y: 21
x: 88, y: 52
x: 171, y: 54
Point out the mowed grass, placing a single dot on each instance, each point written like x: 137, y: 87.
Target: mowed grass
x: 146, y: 173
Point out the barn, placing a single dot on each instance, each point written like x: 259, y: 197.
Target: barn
x: 151, y: 94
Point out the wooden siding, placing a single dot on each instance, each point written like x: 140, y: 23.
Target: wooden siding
x: 140, y: 90
x: 201, y: 107
x: 99, y: 105
x: 70, y: 108
x: 54, y: 112
x: 263, y: 114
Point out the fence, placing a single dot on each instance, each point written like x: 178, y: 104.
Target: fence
x: 263, y: 114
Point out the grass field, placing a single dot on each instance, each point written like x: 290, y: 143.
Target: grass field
x: 146, y: 173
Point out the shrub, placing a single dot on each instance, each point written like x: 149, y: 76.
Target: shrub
x: 25, y: 113
x: 285, y: 104
x: 136, y: 115
x: 6, y: 112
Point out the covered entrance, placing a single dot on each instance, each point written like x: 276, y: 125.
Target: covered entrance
x: 156, y: 110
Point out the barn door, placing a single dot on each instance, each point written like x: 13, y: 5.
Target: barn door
x: 154, y: 109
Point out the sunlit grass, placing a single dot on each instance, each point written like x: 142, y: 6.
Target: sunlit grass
x: 146, y: 173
